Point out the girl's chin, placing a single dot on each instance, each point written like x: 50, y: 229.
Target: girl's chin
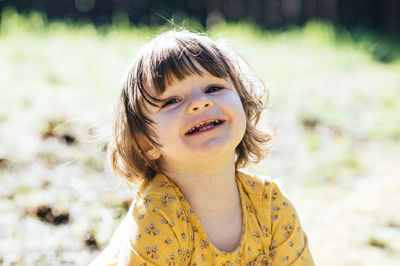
x: 209, y: 152
x: 202, y: 150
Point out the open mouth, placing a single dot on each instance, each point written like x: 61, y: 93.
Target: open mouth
x: 205, y: 126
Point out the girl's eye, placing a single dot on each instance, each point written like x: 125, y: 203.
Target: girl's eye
x: 170, y: 101
x: 213, y: 89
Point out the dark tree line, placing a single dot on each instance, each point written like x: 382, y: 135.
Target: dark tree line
x: 379, y: 15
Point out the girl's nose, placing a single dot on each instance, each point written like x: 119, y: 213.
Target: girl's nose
x: 200, y: 104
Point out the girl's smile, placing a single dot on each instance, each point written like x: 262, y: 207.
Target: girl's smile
x: 205, y: 126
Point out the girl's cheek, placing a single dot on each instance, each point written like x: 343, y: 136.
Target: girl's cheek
x: 166, y: 123
x: 172, y: 116
x: 234, y: 101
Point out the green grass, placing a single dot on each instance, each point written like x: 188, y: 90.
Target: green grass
x: 376, y: 242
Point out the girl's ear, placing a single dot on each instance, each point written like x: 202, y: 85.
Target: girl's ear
x: 153, y: 154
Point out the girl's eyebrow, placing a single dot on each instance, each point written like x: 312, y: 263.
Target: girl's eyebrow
x: 161, y: 96
x: 221, y: 79
x: 213, y: 80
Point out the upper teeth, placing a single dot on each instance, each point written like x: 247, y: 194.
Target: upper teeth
x: 203, y: 123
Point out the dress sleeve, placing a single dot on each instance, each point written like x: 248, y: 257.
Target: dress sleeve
x: 152, y: 233
x: 289, y: 244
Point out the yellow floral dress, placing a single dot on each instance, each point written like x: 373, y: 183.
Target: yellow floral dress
x: 162, y: 229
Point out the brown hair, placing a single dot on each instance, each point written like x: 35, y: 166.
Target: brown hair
x: 174, y: 55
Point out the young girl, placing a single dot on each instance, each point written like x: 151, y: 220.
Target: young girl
x: 185, y: 121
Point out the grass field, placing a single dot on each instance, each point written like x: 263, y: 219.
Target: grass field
x: 333, y: 102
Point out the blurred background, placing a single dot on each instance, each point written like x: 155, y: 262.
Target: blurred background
x: 332, y: 68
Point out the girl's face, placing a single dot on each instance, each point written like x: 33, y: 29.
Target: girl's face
x: 200, y: 118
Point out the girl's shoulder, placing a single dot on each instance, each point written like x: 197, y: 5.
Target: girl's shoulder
x: 256, y: 184
x: 160, y: 184
x: 154, y: 226
x: 266, y: 195
x: 158, y: 196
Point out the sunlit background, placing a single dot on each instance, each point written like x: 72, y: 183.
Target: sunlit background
x: 333, y: 72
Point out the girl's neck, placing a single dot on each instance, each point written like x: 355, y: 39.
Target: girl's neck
x: 209, y: 188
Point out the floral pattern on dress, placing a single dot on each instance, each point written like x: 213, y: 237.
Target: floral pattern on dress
x: 168, y: 232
